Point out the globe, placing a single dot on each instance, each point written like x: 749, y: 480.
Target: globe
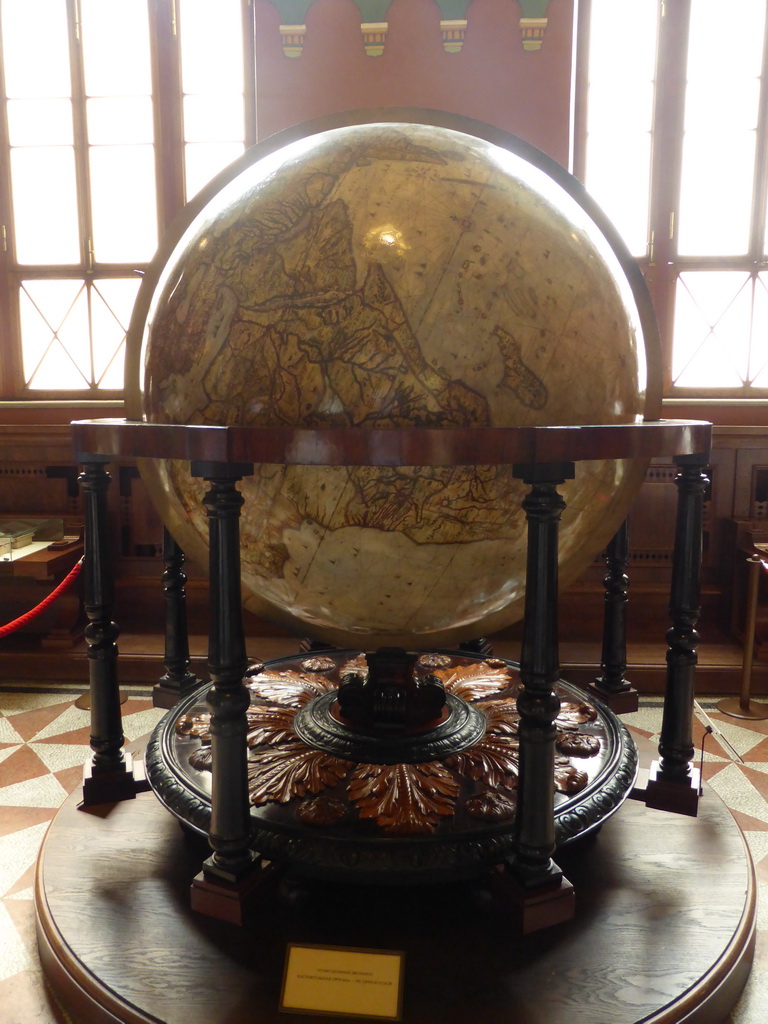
x: 385, y: 271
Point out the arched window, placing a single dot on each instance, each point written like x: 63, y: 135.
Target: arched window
x: 114, y: 112
x: 672, y: 141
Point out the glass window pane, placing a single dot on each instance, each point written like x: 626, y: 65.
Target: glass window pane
x: 712, y: 329
x: 57, y: 372
x: 758, y: 356
x: 75, y: 339
x: 36, y: 27
x: 54, y: 316
x: 45, y: 205
x: 124, y: 205
x: 716, y: 194
x: 709, y: 103
x: 118, y: 296
x: 116, y: 55
x: 111, y: 306
x: 622, y: 65
x: 123, y: 120
x: 113, y: 375
x: 213, y: 118
x: 617, y: 172
x: 608, y: 107
x: 203, y: 162
x: 211, y: 47
x: 623, y: 46
x: 709, y: 48
x: 40, y: 122
x: 721, y: 103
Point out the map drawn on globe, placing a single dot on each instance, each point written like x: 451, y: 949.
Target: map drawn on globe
x: 385, y: 276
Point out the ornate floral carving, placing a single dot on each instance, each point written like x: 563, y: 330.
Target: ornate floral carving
x: 404, y: 798
x: 309, y: 813
x: 569, y: 779
x: 281, y: 773
x: 288, y: 687
x: 195, y: 724
x: 490, y: 806
x: 477, y: 679
x: 572, y: 715
x: 201, y: 758
x: 356, y: 664
x: 502, y: 715
x: 577, y: 744
x: 491, y: 761
x: 318, y: 664
x: 321, y: 812
x: 270, y: 725
x: 433, y: 661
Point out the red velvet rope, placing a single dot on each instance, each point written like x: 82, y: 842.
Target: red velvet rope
x: 65, y: 584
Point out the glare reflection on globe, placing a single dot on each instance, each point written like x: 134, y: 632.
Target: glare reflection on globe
x: 387, y: 275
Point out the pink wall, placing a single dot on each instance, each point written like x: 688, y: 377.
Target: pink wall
x: 492, y: 79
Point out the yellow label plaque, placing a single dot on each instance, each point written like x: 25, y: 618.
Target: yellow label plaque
x: 343, y: 982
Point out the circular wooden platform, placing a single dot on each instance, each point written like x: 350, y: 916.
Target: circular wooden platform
x: 664, y: 929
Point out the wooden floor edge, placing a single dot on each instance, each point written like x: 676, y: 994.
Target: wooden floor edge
x: 89, y: 1001
x: 715, y: 994
x: 80, y: 992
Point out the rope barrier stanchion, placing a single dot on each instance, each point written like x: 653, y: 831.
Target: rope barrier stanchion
x: 33, y: 613
x: 741, y: 706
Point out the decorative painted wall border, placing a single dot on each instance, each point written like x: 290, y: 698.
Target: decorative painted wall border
x: 374, y: 26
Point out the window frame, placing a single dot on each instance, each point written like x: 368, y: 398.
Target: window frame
x: 167, y: 102
x: 661, y: 265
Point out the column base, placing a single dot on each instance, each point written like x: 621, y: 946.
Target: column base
x: 233, y: 902
x: 111, y: 787
x: 621, y: 702
x: 535, y: 908
x: 168, y: 694
x: 681, y: 796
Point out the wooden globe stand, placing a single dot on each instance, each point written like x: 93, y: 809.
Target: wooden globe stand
x: 542, y: 457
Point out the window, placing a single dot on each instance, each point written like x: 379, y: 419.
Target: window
x: 114, y: 112
x: 672, y: 141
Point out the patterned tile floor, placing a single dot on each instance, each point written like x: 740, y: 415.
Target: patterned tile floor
x: 44, y: 742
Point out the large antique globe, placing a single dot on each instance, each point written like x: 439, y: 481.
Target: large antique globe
x: 393, y: 273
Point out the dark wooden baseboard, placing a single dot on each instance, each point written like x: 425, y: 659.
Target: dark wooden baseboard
x: 141, y: 662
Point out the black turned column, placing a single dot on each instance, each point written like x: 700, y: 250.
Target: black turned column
x: 227, y: 876
x: 674, y: 782
x: 109, y: 775
x: 178, y: 681
x: 545, y: 897
x: 611, y: 686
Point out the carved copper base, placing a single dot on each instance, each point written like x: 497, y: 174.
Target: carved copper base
x: 432, y: 803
